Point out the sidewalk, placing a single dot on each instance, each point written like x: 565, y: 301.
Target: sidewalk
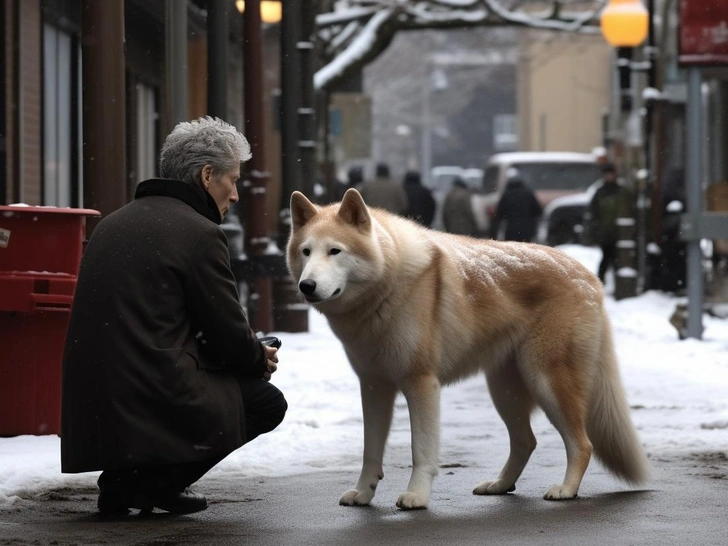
x: 685, y: 503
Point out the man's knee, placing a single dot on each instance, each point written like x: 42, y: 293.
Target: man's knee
x: 274, y: 409
x: 279, y: 406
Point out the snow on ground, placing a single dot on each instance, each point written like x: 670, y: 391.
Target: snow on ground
x: 678, y: 391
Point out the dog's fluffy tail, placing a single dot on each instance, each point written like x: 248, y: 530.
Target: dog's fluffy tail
x: 609, y: 425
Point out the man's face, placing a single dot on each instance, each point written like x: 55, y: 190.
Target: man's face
x: 610, y: 176
x: 222, y: 187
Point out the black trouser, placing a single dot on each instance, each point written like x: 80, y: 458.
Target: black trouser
x: 265, y: 408
x: 609, y: 258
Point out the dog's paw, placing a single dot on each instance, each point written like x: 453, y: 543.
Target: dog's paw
x: 354, y: 497
x: 495, y: 487
x: 560, y: 492
x: 412, y: 501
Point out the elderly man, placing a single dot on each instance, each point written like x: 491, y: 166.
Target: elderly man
x: 162, y: 375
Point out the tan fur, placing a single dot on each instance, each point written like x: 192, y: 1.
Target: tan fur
x: 417, y: 309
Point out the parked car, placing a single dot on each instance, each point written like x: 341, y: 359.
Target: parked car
x: 562, y: 221
x: 550, y: 174
x: 473, y: 178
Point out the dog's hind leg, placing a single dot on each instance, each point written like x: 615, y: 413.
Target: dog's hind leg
x: 377, y: 399
x: 562, y: 393
x: 423, y: 400
x: 514, y: 404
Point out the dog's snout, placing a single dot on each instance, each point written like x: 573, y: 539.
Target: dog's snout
x: 307, y: 286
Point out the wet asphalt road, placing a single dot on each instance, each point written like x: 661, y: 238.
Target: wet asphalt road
x: 686, y: 503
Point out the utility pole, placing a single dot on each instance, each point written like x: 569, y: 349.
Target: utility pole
x: 175, y: 58
x: 217, y: 58
x: 306, y: 106
x: 257, y: 176
x: 104, y: 112
x: 290, y: 172
x: 694, y: 201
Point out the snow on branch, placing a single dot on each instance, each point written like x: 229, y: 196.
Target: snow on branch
x: 353, y: 35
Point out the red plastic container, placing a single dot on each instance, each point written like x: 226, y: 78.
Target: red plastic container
x: 40, y: 253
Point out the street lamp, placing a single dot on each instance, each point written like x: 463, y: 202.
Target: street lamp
x: 624, y: 23
x: 270, y: 10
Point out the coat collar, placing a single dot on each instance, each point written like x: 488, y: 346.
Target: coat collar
x: 194, y: 196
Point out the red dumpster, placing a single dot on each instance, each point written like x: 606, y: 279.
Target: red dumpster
x: 40, y: 253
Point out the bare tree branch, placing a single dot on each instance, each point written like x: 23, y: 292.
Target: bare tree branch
x: 350, y: 38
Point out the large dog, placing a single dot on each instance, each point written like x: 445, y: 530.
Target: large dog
x: 416, y: 309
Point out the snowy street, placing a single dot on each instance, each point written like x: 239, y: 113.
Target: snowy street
x: 677, y: 390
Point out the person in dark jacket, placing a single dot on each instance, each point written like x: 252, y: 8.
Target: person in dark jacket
x: 421, y: 203
x: 162, y: 375
x: 610, y: 201
x: 520, y: 209
x: 457, y: 211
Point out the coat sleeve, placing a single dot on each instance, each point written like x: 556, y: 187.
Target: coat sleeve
x: 215, y: 308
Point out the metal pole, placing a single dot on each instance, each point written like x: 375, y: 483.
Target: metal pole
x: 694, y: 198
x: 176, y: 61
x: 217, y: 58
x: 256, y: 174
x: 426, y: 127
x: 647, y: 191
x: 306, y: 106
x: 104, y: 99
x: 290, y: 174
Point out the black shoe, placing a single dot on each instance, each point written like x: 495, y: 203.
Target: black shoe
x: 112, y: 501
x: 176, y: 502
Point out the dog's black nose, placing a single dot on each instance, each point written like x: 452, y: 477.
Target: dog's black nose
x: 307, y: 286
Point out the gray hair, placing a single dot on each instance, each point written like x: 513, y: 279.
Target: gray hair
x: 205, y: 141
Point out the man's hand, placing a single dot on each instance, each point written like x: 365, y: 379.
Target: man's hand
x: 272, y: 364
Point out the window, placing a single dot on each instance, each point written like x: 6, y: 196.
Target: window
x: 505, y: 132
x: 559, y: 176
x: 60, y: 118
x: 146, y: 132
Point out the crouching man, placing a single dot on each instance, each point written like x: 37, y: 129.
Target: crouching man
x: 162, y: 375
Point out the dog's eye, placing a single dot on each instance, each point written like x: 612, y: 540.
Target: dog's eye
x: 334, y: 251
x: 306, y: 251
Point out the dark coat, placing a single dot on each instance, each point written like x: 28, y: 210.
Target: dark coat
x: 156, y: 337
x: 520, y: 209
x: 609, y: 202
x: 457, y: 211
x: 385, y: 194
x: 421, y: 203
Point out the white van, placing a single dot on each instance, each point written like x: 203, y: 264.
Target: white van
x: 549, y: 174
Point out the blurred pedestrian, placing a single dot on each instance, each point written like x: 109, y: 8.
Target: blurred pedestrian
x: 162, y: 375
x: 520, y: 209
x: 421, y: 202
x: 610, y: 201
x: 384, y: 193
x: 457, y: 214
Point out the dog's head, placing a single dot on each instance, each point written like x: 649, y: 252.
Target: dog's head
x: 332, y: 252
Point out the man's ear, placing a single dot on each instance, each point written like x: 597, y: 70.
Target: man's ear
x: 206, y: 175
x: 302, y: 210
x: 354, y: 211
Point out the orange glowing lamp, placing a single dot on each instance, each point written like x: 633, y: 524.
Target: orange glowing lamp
x: 624, y: 23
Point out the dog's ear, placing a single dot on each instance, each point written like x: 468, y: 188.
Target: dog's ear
x: 354, y: 211
x: 302, y: 210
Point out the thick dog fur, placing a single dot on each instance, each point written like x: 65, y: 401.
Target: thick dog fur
x: 416, y: 309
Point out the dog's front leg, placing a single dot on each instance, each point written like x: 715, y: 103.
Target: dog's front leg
x: 423, y: 399
x: 377, y: 398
